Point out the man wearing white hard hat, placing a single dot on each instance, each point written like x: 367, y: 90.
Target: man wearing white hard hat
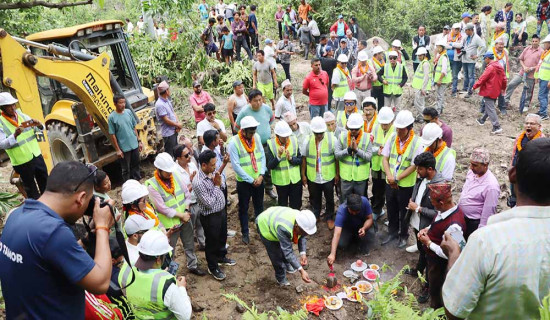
x: 381, y: 131
x: 422, y: 81
x: 397, y: 47
x: 399, y: 153
x: 248, y: 161
x: 455, y: 43
x: 320, y: 170
x: 171, y: 301
x: 341, y: 81
x: 135, y: 226
x: 445, y: 157
x: 354, y: 152
x: 543, y: 74
x: 18, y: 138
x: 278, y: 227
x: 350, y: 107
x: 286, y: 102
x: 442, y: 74
x: 300, y: 129
x: 378, y: 62
x: 170, y: 198
x: 363, y: 75
x: 370, y: 115
x: 394, y: 77
x: 330, y: 121
x: 284, y: 160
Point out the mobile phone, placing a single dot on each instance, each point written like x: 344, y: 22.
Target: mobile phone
x: 458, y: 237
x: 27, y: 124
x: 173, y: 267
x: 177, y: 226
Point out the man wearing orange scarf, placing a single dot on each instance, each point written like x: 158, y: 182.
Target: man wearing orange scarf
x: 248, y: 161
x: 17, y: 137
x: 432, y: 140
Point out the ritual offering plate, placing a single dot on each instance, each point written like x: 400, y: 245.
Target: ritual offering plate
x: 359, y: 266
x: 364, y: 286
x: 371, y: 275
x: 374, y: 267
x: 333, y: 302
x: 350, y: 274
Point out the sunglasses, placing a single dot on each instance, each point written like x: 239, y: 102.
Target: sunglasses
x: 349, y: 104
x: 393, y: 58
x: 92, y: 171
x: 250, y: 129
x: 187, y: 155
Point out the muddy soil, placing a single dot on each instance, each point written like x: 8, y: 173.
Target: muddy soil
x: 252, y: 279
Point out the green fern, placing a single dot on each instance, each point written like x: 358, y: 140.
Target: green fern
x: 545, y: 308
x: 8, y: 201
x: 252, y: 312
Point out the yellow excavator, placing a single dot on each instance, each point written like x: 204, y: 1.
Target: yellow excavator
x: 66, y: 78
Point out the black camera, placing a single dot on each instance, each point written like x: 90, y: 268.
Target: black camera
x: 90, y: 210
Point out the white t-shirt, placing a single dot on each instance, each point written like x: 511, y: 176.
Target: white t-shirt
x: 186, y: 177
x: 284, y: 105
x: 205, y: 125
x: 130, y: 27
x: 133, y: 252
x: 314, y: 28
x: 141, y: 26
x: 220, y: 9
x: 270, y: 55
x: 162, y: 33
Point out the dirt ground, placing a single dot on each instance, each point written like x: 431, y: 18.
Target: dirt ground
x: 252, y: 279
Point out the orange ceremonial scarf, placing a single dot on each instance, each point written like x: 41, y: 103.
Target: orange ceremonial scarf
x: 15, y: 122
x: 398, y: 146
x: 520, y: 138
x: 168, y: 188
x: 438, y: 151
x: 249, y: 147
x: 368, y: 125
x: 358, y: 139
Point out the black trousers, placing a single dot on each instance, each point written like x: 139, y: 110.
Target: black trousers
x: 254, y: 42
x: 421, y: 264
x: 130, y: 165
x: 397, y: 201
x: 291, y: 193
x: 280, y: 27
x: 316, y: 191
x: 436, y: 274
x: 170, y: 143
x: 33, y: 173
x: 378, y: 192
x: 351, y: 236
x: 286, y: 68
x: 242, y: 44
x: 245, y: 191
x: 377, y: 92
x: 471, y: 226
x: 215, y: 232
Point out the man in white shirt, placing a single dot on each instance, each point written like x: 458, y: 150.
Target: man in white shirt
x: 315, y: 32
x: 301, y: 130
x: 210, y: 123
x: 141, y: 25
x: 220, y: 8
x: 269, y: 52
x: 129, y: 26
x: 135, y: 226
x: 286, y: 102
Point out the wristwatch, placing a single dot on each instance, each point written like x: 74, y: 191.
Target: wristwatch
x: 417, y: 209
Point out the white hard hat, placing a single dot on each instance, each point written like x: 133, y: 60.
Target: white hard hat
x: 154, y: 243
x: 282, y: 129
x: 355, y: 121
x: 342, y: 58
x: 396, y: 43
x: 328, y: 116
x: 164, y: 162
x: 350, y: 95
x: 249, y: 122
x: 456, y: 26
x: 136, y: 223
x: 6, y: 99
x: 369, y: 100
x: 362, y: 56
x: 421, y: 50
x: 385, y: 115
x: 307, y: 221
x: 393, y: 54
x: 377, y: 50
x: 404, y: 119
x: 546, y: 39
x: 441, y: 42
x: 318, y: 125
x: 430, y: 133
x: 132, y: 190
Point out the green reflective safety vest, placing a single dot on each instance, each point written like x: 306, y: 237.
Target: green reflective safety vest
x: 394, y: 77
x: 377, y: 68
x: 380, y: 140
x: 275, y: 217
x: 442, y: 158
x: 448, y: 77
x: 285, y: 173
x: 327, y: 160
x: 405, y: 161
x: 175, y: 201
x: 145, y: 294
x: 543, y: 73
x: 342, y: 87
x: 354, y: 168
x: 244, y: 158
x: 342, y: 120
x: 418, y: 79
x: 27, y: 146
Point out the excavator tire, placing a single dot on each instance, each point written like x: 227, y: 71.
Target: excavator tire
x: 64, y: 144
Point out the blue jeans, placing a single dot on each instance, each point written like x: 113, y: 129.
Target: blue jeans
x: 543, y: 97
x: 469, y: 76
x: 455, y: 66
x: 539, y: 26
x: 316, y: 110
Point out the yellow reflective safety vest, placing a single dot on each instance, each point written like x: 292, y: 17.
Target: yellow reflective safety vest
x: 27, y: 146
x: 285, y: 173
x: 377, y: 68
x: 273, y: 218
x: 175, y: 201
x: 448, y: 77
x: 244, y: 158
x: 442, y: 158
x: 399, y: 164
x: 394, y: 77
x: 543, y: 73
x: 380, y: 140
x: 342, y: 87
x: 354, y: 168
x: 145, y: 294
x: 418, y: 79
x: 326, y: 159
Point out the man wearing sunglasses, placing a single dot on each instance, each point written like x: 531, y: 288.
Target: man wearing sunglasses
x: 44, y: 270
x: 340, y: 81
x: 210, y: 123
x: 350, y: 107
x: 394, y: 77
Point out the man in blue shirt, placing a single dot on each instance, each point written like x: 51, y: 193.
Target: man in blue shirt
x: 253, y: 28
x: 44, y: 270
x: 169, y: 124
x: 353, y: 224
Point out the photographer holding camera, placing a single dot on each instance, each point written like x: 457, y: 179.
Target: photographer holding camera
x: 44, y: 270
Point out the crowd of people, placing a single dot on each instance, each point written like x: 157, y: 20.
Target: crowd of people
x: 359, y: 158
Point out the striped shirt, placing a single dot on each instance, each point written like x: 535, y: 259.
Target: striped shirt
x: 210, y: 198
x: 503, y: 272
